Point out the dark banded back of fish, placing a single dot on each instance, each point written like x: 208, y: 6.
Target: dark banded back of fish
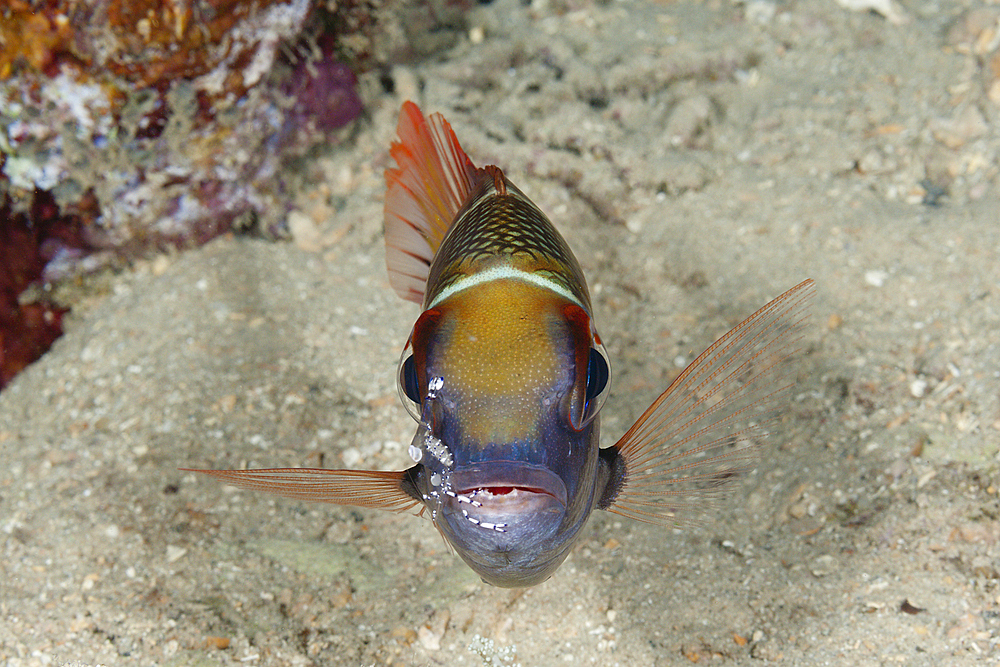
x: 500, y: 224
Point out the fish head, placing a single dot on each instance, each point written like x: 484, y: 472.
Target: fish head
x: 508, y: 381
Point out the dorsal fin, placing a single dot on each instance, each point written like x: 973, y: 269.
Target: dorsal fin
x: 431, y: 183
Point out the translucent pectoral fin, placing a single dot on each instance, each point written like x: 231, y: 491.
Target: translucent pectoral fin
x: 705, y: 431
x: 386, y: 490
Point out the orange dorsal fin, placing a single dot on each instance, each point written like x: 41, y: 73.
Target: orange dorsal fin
x: 430, y: 185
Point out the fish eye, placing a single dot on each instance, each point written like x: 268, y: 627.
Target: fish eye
x: 598, y: 380
x: 407, y: 383
x: 597, y: 374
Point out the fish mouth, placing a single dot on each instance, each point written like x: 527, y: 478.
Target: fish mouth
x: 503, y: 518
x: 509, y: 487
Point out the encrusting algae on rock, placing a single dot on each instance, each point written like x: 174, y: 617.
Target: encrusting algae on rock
x: 162, y: 124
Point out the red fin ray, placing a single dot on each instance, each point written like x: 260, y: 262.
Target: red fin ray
x: 704, y: 432
x: 433, y: 180
x: 359, y: 488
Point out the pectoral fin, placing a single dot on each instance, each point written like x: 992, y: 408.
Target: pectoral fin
x: 705, y: 431
x: 388, y: 490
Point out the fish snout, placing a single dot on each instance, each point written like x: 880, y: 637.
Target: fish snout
x: 504, y: 518
x: 506, y: 492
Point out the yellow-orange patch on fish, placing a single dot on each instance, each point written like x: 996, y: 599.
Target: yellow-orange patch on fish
x: 500, y: 356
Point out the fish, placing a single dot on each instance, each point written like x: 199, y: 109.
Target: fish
x: 506, y: 375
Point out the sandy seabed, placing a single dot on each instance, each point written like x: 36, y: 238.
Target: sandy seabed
x: 701, y: 158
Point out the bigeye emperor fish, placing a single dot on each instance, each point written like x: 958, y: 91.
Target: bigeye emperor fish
x: 506, y: 375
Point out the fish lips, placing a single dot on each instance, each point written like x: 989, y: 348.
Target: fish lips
x: 503, y: 519
x: 498, y: 489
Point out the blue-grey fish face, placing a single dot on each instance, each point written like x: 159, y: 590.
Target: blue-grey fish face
x: 507, y: 444
x: 512, y: 521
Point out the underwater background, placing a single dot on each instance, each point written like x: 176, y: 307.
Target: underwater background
x: 192, y: 196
